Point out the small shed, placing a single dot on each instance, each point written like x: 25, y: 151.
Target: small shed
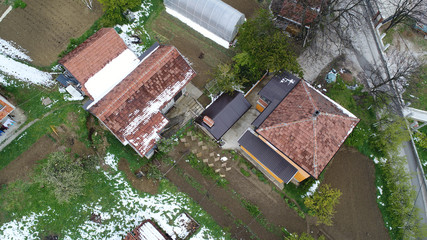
x: 223, y: 113
x: 214, y: 15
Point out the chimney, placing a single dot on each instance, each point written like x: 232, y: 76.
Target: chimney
x: 208, y: 121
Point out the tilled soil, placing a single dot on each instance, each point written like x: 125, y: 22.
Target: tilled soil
x: 23, y: 166
x: 45, y: 27
x: 247, y: 7
x: 358, y: 216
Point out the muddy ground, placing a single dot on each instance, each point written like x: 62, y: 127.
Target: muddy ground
x: 44, y: 27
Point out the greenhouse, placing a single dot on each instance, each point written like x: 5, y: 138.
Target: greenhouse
x: 212, y: 18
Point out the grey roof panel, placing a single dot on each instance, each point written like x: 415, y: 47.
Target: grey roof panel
x: 275, y: 91
x: 267, y: 156
x: 225, y: 111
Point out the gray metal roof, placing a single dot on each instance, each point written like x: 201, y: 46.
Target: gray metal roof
x: 225, y: 111
x: 275, y: 91
x: 214, y: 15
x: 267, y: 156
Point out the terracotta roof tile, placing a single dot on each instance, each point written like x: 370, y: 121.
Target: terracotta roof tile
x: 93, y: 54
x: 299, y: 11
x: 131, y: 109
x: 310, y: 140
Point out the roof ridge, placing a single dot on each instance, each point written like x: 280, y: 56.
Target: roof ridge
x: 107, y: 108
x: 339, y: 116
x: 315, y: 145
x: 309, y: 95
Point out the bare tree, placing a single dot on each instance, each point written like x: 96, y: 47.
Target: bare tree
x: 388, y: 84
x: 407, y: 9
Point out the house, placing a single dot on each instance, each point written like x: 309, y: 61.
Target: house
x: 127, y: 93
x: 294, y: 14
x: 212, y: 18
x: 298, y: 131
x: 6, y: 108
x: 222, y: 114
x: 147, y: 230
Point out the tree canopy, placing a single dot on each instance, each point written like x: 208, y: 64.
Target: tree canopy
x: 114, y: 8
x: 265, y: 46
x: 322, y: 203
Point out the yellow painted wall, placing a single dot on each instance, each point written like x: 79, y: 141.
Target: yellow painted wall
x: 301, y: 174
x: 259, y: 108
x: 262, y: 165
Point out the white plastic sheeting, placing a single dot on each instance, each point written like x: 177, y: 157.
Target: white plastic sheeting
x: 214, y: 15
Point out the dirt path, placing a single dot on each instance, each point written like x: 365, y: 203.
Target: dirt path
x: 358, y: 216
x: 45, y: 27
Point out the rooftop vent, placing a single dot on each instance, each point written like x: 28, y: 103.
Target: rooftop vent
x: 316, y: 113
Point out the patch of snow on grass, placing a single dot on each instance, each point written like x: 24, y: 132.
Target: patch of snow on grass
x: 128, y: 30
x: 22, y: 229
x: 313, y: 188
x: 380, y: 190
x: 24, y: 72
x: 111, y: 161
x: 130, y: 210
x: 7, y: 48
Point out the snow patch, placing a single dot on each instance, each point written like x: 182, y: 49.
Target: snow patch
x: 24, y: 72
x: 199, y: 28
x: 111, y: 161
x: 7, y: 48
x: 313, y: 188
x: 22, y: 229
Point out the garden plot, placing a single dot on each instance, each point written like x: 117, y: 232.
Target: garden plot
x: 45, y: 27
x: 125, y: 210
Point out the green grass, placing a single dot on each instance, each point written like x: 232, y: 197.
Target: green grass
x: 41, y: 128
x: 245, y: 173
x: 416, y: 92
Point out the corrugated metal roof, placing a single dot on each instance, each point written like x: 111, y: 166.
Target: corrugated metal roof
x: 275, y: 91
x: 225, y: 111
x: 267, y: 156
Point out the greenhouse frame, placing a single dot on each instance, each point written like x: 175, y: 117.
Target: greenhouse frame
x: 215, y: 16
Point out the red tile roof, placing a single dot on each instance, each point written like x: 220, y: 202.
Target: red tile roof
x: 310, y: 139
x: 93, y: 54
x: 131, y: 109
x: 5, y: 108
x: 299, y: 11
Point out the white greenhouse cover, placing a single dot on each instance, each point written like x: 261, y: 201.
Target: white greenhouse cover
x: 214, y: 15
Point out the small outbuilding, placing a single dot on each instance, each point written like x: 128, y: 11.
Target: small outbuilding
x: 215, y: 16
x: 223, y: 113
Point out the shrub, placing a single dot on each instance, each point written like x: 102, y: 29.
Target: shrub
x: 64, y: 175
x: 244, y: 172
x: 16, y: 3
x: 303, y: 236
x: 114, y: 9
x: 322, y: 203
